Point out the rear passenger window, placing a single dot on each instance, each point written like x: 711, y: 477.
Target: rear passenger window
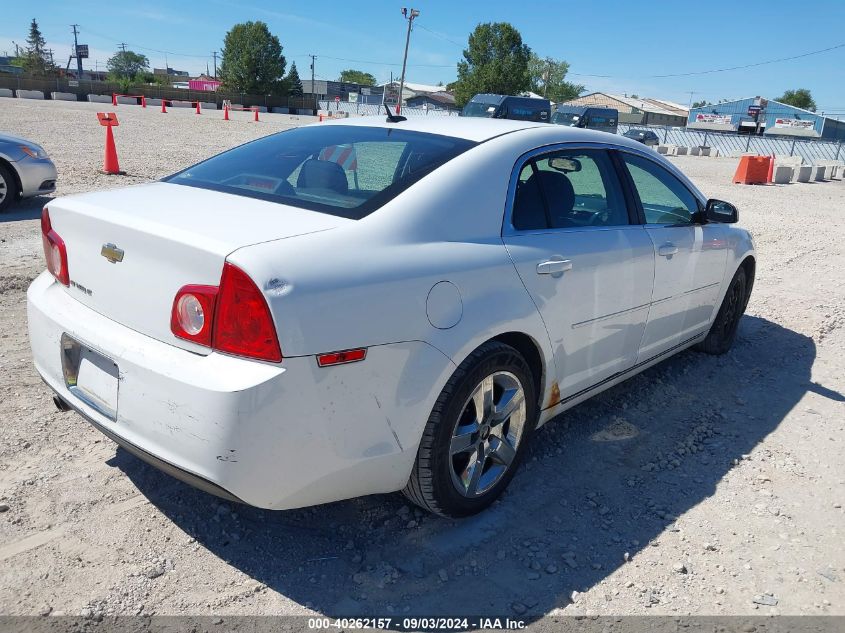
x: 528, y: 208
x: 664, y: 198
x: 569, y: 189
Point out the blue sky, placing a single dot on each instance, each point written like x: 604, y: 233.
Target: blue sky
x: 611, y: 46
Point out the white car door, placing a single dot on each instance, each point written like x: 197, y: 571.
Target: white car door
x: 584, y: 259
x: 689, y: 258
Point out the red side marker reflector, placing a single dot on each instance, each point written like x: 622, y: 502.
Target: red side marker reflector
x: 341, y: 358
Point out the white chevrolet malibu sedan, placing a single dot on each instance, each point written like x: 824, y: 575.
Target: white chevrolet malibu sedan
x: 377, y: 305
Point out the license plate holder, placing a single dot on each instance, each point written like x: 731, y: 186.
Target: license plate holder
x: 90, y: 376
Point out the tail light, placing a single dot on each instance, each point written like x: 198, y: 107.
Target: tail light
x: 233, y: 318
x: 55, y: 251
x: 193, y: 313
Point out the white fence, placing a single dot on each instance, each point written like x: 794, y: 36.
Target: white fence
x: 364, y: 109
x: 810, y: 150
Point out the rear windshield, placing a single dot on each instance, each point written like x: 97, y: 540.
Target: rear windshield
x: 347, y: 171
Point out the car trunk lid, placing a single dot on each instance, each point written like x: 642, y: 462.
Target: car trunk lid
x: 130, y: 250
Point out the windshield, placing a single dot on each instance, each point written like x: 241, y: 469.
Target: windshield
x: 347, y: 171
x: 479, y: 108
x: 566, y: 118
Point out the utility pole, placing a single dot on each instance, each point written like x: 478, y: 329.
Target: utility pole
x: 313, y: 61
x: 76, y: 52
x: 409, y: 15
x: 214, y: 55
x: 547, y: 77
x: 122, y: 46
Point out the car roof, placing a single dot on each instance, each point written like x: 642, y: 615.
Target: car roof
x: 477, y: 129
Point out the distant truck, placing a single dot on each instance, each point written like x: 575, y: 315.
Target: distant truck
x: 508, y: 107
x: 590, y: 117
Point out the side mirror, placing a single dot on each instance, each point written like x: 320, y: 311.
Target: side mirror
x: 721, y: 212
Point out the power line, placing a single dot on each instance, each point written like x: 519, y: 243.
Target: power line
x: 716, y: 70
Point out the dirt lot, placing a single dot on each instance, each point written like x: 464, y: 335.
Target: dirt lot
x: 700, y: 486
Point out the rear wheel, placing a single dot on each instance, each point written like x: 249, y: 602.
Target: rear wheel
x: 8, y: 188
x: 722, y: 333
x: 476, y: 434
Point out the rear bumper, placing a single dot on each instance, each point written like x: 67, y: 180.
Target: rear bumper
x: 273, y: 436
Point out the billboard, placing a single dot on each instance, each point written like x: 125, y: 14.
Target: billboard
x: 795, y: 123
x: 721, y: 119
x: 82, y: 51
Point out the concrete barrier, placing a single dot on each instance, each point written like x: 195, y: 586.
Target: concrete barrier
x: 208, y: 105
x: 128, y: 101
x: 821, y: 172
x: 99, y: 98
x: 805, y: 173
x: 305, y: 111
x: 63, y: 96
x: 662, y: 149
x: 6, y: 92
x: 181, y: 104
x: 280, y: 110
x: 29, y: 94
x: 259, y: 108
x: 783, y: 174
x: 681, y: 151
x: 153, y: 102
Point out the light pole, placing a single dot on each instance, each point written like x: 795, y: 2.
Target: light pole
x: 409, y: 15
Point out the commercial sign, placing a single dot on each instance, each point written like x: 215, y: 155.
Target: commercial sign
x: 722, y: 119
x: 208, y: 85
x: 795, y: 123
x: 353, y: 97
x: 754, y: 110
x: 391, y: 94
x: 82, y: 51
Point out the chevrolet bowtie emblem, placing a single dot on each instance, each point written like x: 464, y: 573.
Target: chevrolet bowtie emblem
x: 112, y: 253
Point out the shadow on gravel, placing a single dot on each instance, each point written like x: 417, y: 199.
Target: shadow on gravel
x: 26, y: 209
x: 603, y: 479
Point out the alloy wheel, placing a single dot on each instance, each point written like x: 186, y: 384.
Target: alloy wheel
x: 487, y: 434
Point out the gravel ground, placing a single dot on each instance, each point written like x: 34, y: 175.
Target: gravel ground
x: 706, y: 485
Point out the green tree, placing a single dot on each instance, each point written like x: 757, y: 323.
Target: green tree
x: 294, y: 82
x: 357, y: 77
x: 36, y: 59
x: 127, y: 64
x: 800, y: 98
x: 495, y: 61
x: 548, y: 78
x: 700, y: 104
x: 252, y: 60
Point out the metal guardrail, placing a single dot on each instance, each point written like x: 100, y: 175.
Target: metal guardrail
x: 810, y: 150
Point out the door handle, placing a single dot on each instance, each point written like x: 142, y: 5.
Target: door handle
x: 554, y: 266
x: 667, y: 249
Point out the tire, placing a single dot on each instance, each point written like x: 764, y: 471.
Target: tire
x: 446, y: 478
x: 722, y: 333
x: 8, y: 188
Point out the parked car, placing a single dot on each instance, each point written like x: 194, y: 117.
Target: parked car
x: 373, y: 306
x: 508, y: 107
x: 588, y: 117
x: 646, y: 137
x: 25, y: 170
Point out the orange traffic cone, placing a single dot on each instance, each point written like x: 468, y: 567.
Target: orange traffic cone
x: 110, y: 164
x: 225, y: 113
x: 113, y: 99
x: 256, y: 114
x: 163, y: 106
x: 198, y: 108
x: 769, y: 177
